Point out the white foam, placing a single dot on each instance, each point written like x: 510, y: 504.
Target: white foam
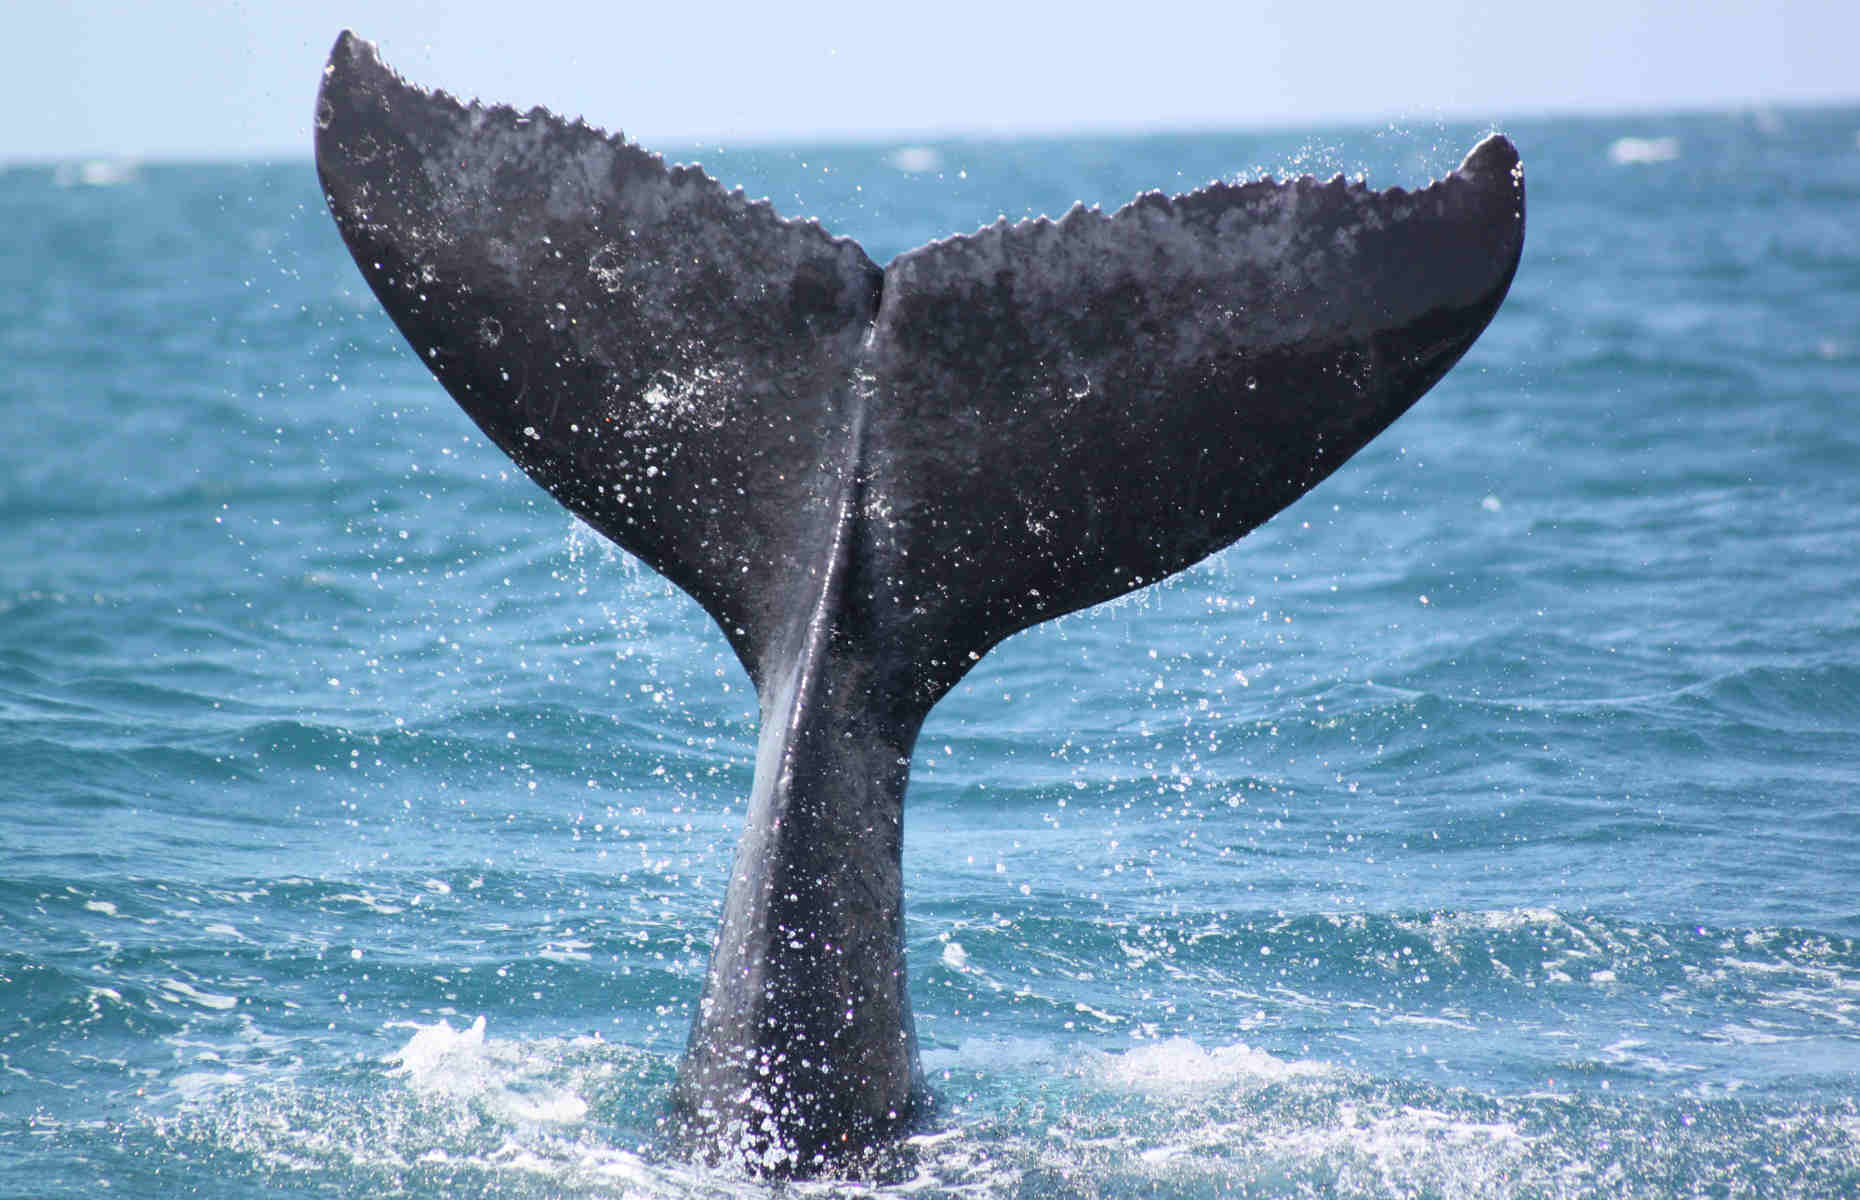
x: 1397, y: 1141
x: 460, y: 1065
x: 1630, y: 1053
x: 428, y: 1050
x: 197, y: 1087
x: 178, y: 990
x: 371, y: 902
x: 1181, y: 1064
x: 567, y: 950
x: 1750, y: 1035
x: 1440, y: 1022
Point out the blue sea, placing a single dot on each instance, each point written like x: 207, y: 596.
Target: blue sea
x: 1485, y: 825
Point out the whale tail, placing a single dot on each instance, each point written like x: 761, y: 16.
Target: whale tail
x: 870, y: 477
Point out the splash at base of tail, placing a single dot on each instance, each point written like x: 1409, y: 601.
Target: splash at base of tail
x: 869, y: 477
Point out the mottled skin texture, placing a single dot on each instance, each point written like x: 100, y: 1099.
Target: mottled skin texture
x: 869, y: 478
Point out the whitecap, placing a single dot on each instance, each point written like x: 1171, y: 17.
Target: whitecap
x: 371, y: 902
x: 915, y: 159
x: 1180, y: 1063
x: 94, y: 172
x: 566, y: 950
x: 428, y: 1050
x: 444, y: 1063
x: 178, y: 990
x: 1438, y: 1022
x: 1632, y: 151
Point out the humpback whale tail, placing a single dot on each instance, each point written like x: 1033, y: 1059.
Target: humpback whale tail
x: 868, y: 477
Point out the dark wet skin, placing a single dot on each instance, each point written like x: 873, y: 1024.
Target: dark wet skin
x: 870, y: 477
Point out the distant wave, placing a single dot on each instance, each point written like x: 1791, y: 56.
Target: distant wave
x: 1630, y: 151
x: 915, y: 159
x: 94, y: 172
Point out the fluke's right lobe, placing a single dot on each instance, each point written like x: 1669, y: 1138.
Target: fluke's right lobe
x: 1055, y: 412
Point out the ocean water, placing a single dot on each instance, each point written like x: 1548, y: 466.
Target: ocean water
x: 1488, y: 824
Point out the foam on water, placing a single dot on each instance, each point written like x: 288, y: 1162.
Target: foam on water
x: 1180, y: 1064
x: 1274, y: 881
x: 455, y: 1110
x: 441, y: 1062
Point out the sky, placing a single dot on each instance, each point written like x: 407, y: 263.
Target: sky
x: 237, y: 78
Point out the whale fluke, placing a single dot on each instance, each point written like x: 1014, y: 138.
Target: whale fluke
x: 870, y: 477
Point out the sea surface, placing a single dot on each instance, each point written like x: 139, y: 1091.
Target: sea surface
x: 1486, y: 825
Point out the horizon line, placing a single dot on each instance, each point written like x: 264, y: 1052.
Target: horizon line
x: 931, y: 136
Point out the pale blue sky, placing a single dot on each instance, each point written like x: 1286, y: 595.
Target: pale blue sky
x: 145, y: 78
